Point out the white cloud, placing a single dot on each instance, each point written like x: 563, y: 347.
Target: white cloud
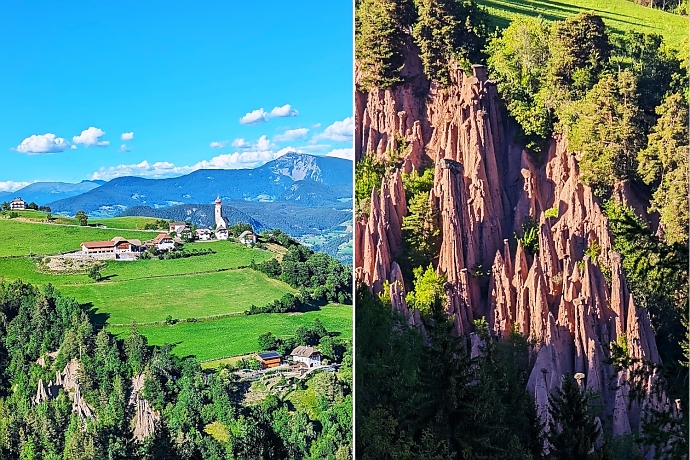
x: 284, y: 111
x: 258, y: 116
x: 291, y: 134
x: 124, y: 149
x: 241, y: 143
x: 127, y: 136
x: 348, y: 153
x: 218, y: 145
x: 42, y: 143
x: 91, y: 137
x: 340, y: 131
x: 11, y: 186
x: 251, y: 156
x: 316, y: 126
x: 254, y: 117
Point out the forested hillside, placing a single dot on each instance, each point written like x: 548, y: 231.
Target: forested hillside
x: 69, y: 391
x: 520, y: 192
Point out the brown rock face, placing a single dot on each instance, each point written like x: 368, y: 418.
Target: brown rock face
x: 68, y: 381
x: 485, y: 188
x: 146, y: 418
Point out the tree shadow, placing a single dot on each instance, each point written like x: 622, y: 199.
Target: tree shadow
x: 98, y: 318
x: 108, y: 277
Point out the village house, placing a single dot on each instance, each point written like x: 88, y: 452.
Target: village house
x: 247, y: 237
x: 178, y: 227
x: 269, y: 359
x: 17, y: 204
x: 307, y: 355
x: 163, y: 242
x: 203, y: 234
x: 117, y: 245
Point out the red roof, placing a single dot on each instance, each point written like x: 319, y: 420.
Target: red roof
x: 99, y: 244
x: 160, y: 238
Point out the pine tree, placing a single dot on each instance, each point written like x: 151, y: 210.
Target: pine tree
x: 573, y: 430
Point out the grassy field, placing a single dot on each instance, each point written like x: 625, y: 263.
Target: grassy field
x: 132, y: 222
x: 18, y: 238
x: 238, y: 335
x: 38, y: 216
x: 183, y: 296
x: 148, y: 291
x: 228, y: 256
x: 619, y: 15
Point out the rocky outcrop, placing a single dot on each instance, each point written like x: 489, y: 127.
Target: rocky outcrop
x: 146, y: 418
x: 570, y: 296
x: 68, y: 381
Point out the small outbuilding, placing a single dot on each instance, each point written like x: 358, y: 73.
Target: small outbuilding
x: 269, y: 359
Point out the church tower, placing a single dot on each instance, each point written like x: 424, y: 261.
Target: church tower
x: 220, y: 222
x: 221, y: 225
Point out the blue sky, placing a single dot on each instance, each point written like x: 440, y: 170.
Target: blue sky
x: 160, y: 88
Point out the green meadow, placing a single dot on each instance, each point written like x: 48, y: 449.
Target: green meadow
x: 181, y: 296
x: 148, y: 291
x: 132, y: 222
x: 618, y: 15
x: 40, y: 216
x: 237, y: 335
x: 21, y: 238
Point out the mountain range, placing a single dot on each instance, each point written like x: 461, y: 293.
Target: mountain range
x: 303, y: 195
x: 42, y: 193
x: 294, y: 178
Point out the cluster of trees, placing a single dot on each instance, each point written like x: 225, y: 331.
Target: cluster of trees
x: 287, y: 303
x: 334, y: 349
x: 447, y: 32
x: 674, y: 6
x: 600, y: 92
x: 318, y: 276
x: 159, y: 224
x: 185, y: 253
x: 82, y: 218
x: 436, y: 401
x: 201, y: 416
x: 657, y: 275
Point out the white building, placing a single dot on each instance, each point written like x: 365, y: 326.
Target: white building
x: 307, y: 355
x: 203, y: 234
x: 177, y: 227
x: 247, y: 237
x: 163, y: 242
x: 17, y: 204
x: 117, y: 245
x: 221, y: 223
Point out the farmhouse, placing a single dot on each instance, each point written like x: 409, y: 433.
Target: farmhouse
x: 203, y: 234
x: 307, y: 355
x: 17, y: 204
x: 163, y: 242
x: 177, y: 227
x: 221, y: 223
x: 269, y: 359
x: 117, y: 245
x: 248, y: 237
